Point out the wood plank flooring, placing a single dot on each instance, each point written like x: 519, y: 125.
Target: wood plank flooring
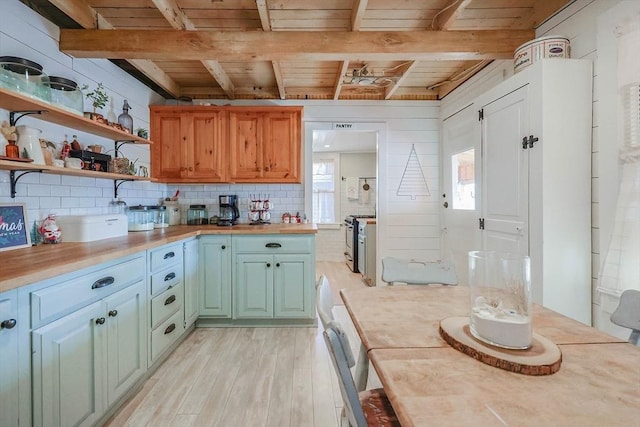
x: 247, y: 376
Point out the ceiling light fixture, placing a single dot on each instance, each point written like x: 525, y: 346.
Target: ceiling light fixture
x: 364, y: 77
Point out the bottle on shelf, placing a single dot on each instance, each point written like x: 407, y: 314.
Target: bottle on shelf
x: 75, y: 144
x: 66, y: 148
x: 12, y: 150
x: 125, y: 119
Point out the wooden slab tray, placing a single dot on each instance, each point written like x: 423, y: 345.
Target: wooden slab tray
x: 542, y: 358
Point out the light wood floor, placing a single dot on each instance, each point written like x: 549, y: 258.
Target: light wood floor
x: 247, y: 376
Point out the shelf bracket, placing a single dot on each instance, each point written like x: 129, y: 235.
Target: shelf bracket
x: 116, y: 184
x: 14, y: 179
x: 13, y: 119
x: 119, y: 144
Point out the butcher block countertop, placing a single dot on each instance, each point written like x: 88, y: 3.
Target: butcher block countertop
x: 20, y: 267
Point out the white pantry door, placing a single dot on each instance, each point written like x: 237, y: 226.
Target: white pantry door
x: 460, y: 182
x: 505, y: 165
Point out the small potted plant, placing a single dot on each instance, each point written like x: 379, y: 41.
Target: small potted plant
x: 99, y: 99
x: 142, y: 133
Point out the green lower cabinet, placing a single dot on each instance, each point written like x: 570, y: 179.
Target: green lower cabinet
x: 215, y: 276
x: 84, y: 361
x: 254, y: 286
x: 191, y: 282
x: 292, y: 296
x: 9, y: 379
x: 274, y: 286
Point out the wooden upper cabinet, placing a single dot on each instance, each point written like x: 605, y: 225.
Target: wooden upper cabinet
x: 226, y: 144
x: 265, y: 144
x: 190, y: 144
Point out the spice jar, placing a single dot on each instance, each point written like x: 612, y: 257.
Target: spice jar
x: 197, y: 215
x: 12, y: 150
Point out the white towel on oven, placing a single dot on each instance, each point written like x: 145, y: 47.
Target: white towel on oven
x: 352, y: 187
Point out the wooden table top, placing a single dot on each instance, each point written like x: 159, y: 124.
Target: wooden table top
x: 409, y: 316
x: 430, y: 383
x: 597, y: 385
x: 24, y: 266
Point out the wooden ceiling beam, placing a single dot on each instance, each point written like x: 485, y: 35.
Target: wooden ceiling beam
x: 293, y: 45
x: 449, y: 14
x: 86, y: 16
x: 265, y: 20
x: 357, y: 13
x: 459, y: 78
x: 389, y: 91
x: 277, y: 71
x: 340, y: 79
x: 180, y: 21
x: 174, y: 15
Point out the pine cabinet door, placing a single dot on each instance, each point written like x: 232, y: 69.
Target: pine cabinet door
x: 205, y: 152
x: 281, y: 147
x: 126, y: 339
x: 9, y: 365
x: 215, y: 267
x: 68, y: 369
x: 254, y: 286
x: 167, y: 157
x: 245, y: 139
x: 292, y: 294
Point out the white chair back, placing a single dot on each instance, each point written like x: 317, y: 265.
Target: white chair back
x: 338, y: 345
x: 324, y: 301
x: 627, y: 314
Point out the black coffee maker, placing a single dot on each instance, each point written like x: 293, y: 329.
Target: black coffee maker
x: 229, y: 212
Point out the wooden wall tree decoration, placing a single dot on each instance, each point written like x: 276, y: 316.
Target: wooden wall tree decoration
x: 413, y: 182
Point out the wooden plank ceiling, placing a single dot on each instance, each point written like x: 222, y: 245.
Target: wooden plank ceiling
x: 303, y: 49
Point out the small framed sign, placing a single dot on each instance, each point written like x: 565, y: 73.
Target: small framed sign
x: 14, y: 231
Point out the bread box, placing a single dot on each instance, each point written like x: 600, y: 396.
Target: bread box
x: 89, y: 228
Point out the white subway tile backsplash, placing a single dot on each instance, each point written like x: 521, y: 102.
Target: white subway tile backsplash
x: 38, y: 190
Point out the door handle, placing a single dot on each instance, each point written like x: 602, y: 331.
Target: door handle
x: 445, y: 204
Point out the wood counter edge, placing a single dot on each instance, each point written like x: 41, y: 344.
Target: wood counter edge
x: 46, y: 261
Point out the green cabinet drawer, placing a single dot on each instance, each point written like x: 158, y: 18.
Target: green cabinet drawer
x: 166, y: 334
x: 166, y: 303
x: 166, y: 279
x: 165, y: 256
x: 273, y: 243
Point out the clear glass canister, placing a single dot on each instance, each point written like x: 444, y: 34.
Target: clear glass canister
x: 140, y: 218
x: 500, y: 290
x: 161, y: 219
x: 24, y: 76
x: 66, y: 94
x: 197, y: 215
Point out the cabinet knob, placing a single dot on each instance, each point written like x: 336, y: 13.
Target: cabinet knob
x: 190, y: 169
x: 268, y: 264
x: 113, y: 313
x: 278, y: 264
x: 100, y: 320
x: 8, y: 324
x: 224, y: 247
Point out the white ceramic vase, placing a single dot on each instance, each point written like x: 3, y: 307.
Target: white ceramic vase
x: 29, y: 140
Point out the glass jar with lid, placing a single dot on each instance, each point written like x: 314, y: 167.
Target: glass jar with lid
x: 161, y: 218
x: 140, y: 218
x: 197, y: 215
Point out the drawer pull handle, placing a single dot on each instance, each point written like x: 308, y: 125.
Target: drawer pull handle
x: 169, y: 276
x: 100, y: 320
x: 101, y: 283
x: 113, y: 313
x: 170, y: 329
x: 169, y: 255
x: 169, y: 300
x: 8, y: 324
x: 273, y: 245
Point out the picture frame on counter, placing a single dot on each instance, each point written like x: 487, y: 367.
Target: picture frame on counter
x: 14, y: 228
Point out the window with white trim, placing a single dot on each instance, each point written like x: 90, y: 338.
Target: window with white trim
x: 325, y: 189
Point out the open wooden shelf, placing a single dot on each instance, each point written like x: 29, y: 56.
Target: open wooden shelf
x: 13, y: 101
x: 23, y: 167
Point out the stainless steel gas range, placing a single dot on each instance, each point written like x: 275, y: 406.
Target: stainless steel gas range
x: 351, y: 241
